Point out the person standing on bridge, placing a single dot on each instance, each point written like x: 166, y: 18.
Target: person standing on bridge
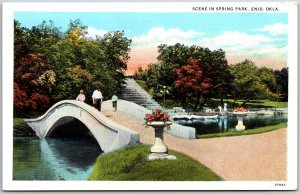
x: 114, y: 100
x: 97, y: 98
x: 81, y: 96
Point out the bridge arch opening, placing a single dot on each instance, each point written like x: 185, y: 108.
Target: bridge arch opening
x: 71, y: 128
x: 69, y: 141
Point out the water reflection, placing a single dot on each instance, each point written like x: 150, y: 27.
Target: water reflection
x: 228, y: 123
x: 54, y: 159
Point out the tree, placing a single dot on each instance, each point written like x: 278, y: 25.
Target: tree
x: 21, y: 41
x: 73, y: 80
x: 171, y: 57
x: 44, y: 56
x: 34, y: 81
x: 246, y: 81
x: 45, y: 30
x: 116, y: 48
x: 282, y: 82
x: 20, y: 100
x: 191, y: 82
x: 268, y: 86
x: 76, y: 32
x: 214, y: 67
x: 28, y: 104
x: 176, y: 55
x: 33, y: 78
x: 140, y: 74
x: 152, y: 74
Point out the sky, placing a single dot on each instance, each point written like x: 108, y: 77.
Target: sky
x: 260, y: 37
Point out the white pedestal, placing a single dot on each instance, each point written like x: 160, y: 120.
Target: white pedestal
x: 160, y: 156
x: 159, y: 146
x: 159, y: 151
x: 240, y: 126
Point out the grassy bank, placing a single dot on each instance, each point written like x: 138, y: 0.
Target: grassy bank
x: 246, y: 132
x: 212, y: 103
x: 131, y: 164
x: 250, y: 104
x: 142, y: 84
x: 21, y: 129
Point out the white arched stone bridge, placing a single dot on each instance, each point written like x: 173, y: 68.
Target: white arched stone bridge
x: 109, y: 135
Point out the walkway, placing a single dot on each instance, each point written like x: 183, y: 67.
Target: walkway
x: 252, y: 157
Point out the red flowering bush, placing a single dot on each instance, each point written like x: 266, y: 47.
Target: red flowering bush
x: 157, y: 115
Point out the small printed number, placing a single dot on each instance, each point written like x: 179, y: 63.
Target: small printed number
x: 279, y: 184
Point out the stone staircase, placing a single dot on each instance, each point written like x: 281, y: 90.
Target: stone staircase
x: 133, y: 92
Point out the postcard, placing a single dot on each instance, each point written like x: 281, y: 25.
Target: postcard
x: 149, y: 96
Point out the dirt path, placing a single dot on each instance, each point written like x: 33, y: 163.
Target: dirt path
x: 251, y: 157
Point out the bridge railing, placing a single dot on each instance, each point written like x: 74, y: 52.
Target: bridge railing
x: 140, y: 112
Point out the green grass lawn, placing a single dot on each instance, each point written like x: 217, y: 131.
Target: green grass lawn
x: 131, y: 164
x: 214, y: 103
x: 250, y: 104
x: 246, y: 132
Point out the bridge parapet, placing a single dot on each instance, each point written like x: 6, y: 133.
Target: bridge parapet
x: 109, y: 135
x: 140, y: 112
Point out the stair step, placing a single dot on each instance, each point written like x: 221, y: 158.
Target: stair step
x: 135, y: 93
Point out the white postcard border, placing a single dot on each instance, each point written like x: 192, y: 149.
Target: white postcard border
x: 8, y: 16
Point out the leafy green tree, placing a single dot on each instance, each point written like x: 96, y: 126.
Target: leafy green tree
x: 153, y: 72
x: 246, y: 81
x: 76, y: 32
x: 214, y: 68
x: 21, y: 41
x: 33, y: 78
x: 176, y: 55
x: 51, y: 65
x: 140, y: 74
x: 282, y: 82
x: 171, y: 57
x: 73, y: 80
x: 116, y: 48
x: 46, y: 30
x: 268, y: 85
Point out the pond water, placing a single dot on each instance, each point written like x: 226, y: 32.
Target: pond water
x: 227, y: 123
x: 54, y: 158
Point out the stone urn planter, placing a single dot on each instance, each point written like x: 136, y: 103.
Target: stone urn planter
x: 159, y: 119
x: 159, y: 151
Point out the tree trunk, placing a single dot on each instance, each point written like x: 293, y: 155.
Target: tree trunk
x: 233, y: 105
x: 221, y: 100
x: 183, y: 100
x: 203, y: 102
x: 245, y: 101
x: 197, y: 101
